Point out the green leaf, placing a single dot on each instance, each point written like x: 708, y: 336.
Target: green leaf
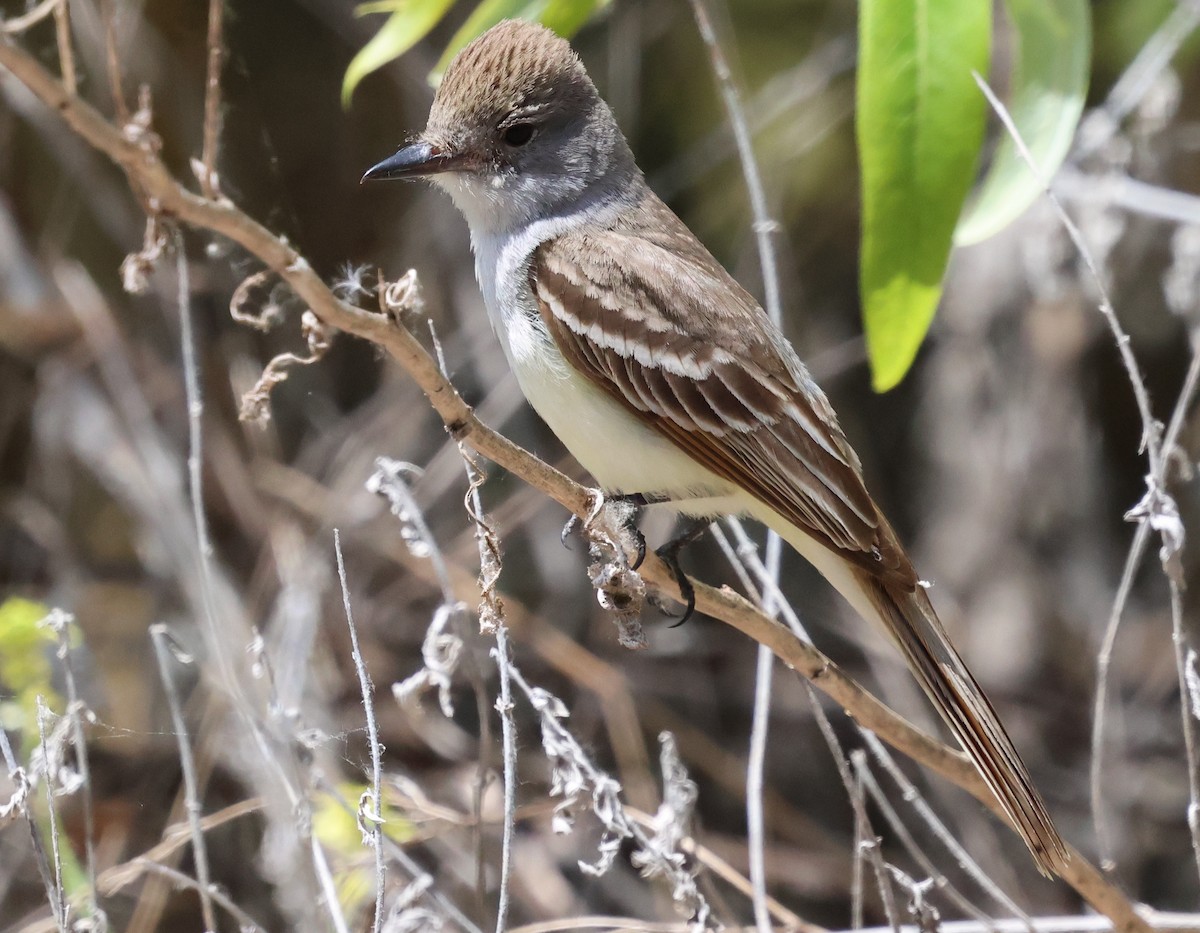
x: 920, y: 122
x: 1051, y: 62
x: 565, y: 17
x: 409, y: 23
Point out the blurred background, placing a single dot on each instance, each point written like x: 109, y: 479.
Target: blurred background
x: 1006, y: 459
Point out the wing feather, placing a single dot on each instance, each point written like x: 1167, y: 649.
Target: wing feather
x: 668, y: 334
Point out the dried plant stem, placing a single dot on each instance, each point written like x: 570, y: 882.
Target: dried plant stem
x: 160, y: 636
x: 508, y: 736
x: 867, y: 842
x: 212, y: 100
x: 1136, y: 80
x: 940, y: 882
x: 179, y: 879
x: 1149, y: 440
x: 66, y: 54
x: 764, y: 227
x: 961, y: 857
x: 112, y: 59
x: 61, y: 623
x: 718, y: 866
x: 18, y: 24
x: 150, y: 176
x: 747, y: 555
x: 755, y: 766
x: 58, y: 900
x: 328, y: 888
x: 375, y: 815
x: 1179, y: 636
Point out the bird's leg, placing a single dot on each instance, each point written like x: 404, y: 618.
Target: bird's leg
x: 692, y: 529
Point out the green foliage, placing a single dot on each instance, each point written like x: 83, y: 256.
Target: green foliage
x: 1052, y: 54
x: 920, y: 121
x: 411, y: 20
x: 26, y: 650
x: 408, y: 24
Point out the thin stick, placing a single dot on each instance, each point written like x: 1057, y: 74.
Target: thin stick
x: 328, y: 888
x: 19, y: 24
x: 1149, y: 442
x: 1151, y: 60
x: 870, y: 843
x: 508, y: 734
x: 867, y: 781
x: 1179, y: 636
x: 61, y: 623
x: 58, y: 899
x: 160, y: 635
x: 722, y: 869
x: 755, y: 766
x: 212, y: 100
x: 489, y: 569
x: 244, y: 920
x: 375, y: 817
x: 66, y: 54
x: 866, y: 843
x: 764, y: 226
x: 113, y: 62
x: 21, y: 794
x: 910, y: 793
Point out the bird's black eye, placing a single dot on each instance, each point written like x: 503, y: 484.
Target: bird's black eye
x: 518, y: 134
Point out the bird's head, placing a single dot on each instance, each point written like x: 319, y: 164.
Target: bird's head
x: 517, y: 131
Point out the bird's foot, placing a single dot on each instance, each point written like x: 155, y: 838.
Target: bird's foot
x: 637, y: 500
x: 669, y: 555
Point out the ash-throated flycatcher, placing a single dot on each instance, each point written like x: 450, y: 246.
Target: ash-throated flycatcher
x: 657, y: 370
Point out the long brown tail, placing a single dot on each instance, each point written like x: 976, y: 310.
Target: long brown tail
x: 943, y: 675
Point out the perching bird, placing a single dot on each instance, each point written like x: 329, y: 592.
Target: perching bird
x: 660, y: 373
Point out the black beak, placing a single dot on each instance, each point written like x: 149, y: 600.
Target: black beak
x: 413, y: 161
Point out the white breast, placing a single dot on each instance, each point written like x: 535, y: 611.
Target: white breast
x: 621, y: 452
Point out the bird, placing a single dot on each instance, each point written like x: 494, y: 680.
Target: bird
x: 665, y: 378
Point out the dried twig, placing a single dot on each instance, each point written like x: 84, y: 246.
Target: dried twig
x: 179, y: 879
x: 212, y: 101
x: 1151, y: 429
x: 58, y: 899
x: 764, y: 227
x: 60, y: 623
x: 164, y: 649
x: 370, y: 807
x: 19, y: 24
x: 66, y: 53
x: 112, y: 60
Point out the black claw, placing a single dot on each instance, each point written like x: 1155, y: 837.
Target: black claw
x: 640, y: 544
x: 568, y: 529
x: 669, y: 555
x: 688, y: 592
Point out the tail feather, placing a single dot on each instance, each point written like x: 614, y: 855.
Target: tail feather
x: 943, y: 675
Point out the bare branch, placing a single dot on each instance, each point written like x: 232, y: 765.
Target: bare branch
x: 212, y: 101
x: 164, y: 649
x: 370, y: 807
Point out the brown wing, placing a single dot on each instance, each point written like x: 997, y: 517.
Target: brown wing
x: 724, y: 386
